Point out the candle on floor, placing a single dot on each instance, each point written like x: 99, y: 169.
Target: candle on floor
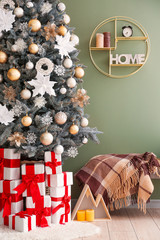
x: 99, y: 40
x: 89, y: 215
x: 81, y: 215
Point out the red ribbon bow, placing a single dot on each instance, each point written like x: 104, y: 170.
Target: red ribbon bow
x: 31, y: 182
x: 65, y: 203
x: 5, y: 204
x: 53, y: 165
x: 22, y: 214
x: 41, y: 216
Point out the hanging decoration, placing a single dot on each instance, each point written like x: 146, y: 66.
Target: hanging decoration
x: 17, y: 138
x: 59, y: 70
x: 84, y: 122
x: 74, y: 129
x: 6, y: 116
x: 59, y: 149
x: 64, y: 45
x: 35, y: 25
x: 40, y: 102
x: 60, y: 118
x: 6, y: 20
x: 17, y: 109
x: 3, y: 57
x: 50, y: 31
x: 68, y: 63
x: 21, y: 45
x: 33, y: 48
x: 7, y: 5
x: 25, y: 94
x: 72, y: 152
x: 26, y: 121
x: 1, y: 78
x: 29, y: 65
x: 85, y: 140
x: 66, y: 19
x: 61, y: 7
x: 31, y: 138
x: 47, y: 63
x: 71, y: 82
x: 46, y: 138
x: 29, y: 5
x: 9, y: 93
x: 42, y: 85
x: 13, y: 74
x: 81, y: 99
x: 79, y: 72
x: 75, y: 39
x: 63, y: 90
x: 62, y: 30
x: 46, y: 8
x: 47, y: 119
x: 18, y: 11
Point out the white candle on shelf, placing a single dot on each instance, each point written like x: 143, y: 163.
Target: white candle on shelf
x: 99, y: 40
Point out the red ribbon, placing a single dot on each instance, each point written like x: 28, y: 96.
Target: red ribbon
x: 30, y: 182
x: 22, y: 214
x: 41, y: 215
x: 5, y: 202
x: 53, y: 164
x: 1, y: 163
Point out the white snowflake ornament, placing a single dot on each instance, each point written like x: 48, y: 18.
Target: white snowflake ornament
x: 46, y: 8
x: 47, y: 119
x: 6, y: 116
x: 17, y: 109
x: 42, y: 85
x: 31, y: 138
x: 21, y: 45
x: 59, y: 70
x: 65, y: 45
x: 72, y: 152
x: 6, y: 20
x: 39, y: 102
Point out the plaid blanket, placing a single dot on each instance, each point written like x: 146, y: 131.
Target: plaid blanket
x: 120, y: 178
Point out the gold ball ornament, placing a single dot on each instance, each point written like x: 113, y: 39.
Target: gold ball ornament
x: 62, y: 30
x: 33, y: 48
x: 13, y: 74
x: 74, y: 129
x: 35, y: 25
x: 79, y: 72
x: 26, y: 121
x: 60, y: 118
x: 46, y: 138
x: 3, y: 57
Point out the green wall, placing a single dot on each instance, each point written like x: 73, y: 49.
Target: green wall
x: 126, y: 110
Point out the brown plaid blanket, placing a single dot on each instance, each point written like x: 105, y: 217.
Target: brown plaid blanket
x: 120, y: 178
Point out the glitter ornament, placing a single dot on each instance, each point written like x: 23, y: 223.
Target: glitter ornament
x: 13, y: 74
x: 66, y: 19
x: 60, y: 118
x: 61, y: 7
x: 63, y: 90
x: 71, y: 82
x: 29, y: 65
x: 84, y: 122
x: 79, y: 72
x: 46, y: 63
x: 14, y: 48
x: 75, y: 39
x: 25, y: 94
x: 26, y: 121
x: 1, y: 78
x: 74, y: 129
x: 35, y: 25
x: 46, y: 138
x: 62, y: 30
x: 59, y: 149
x: 18, y: 11
x: 29, y: 4
x: 3, y: 57
x: 85, y: 140
x: 67, y: 63
x: 33, y: 48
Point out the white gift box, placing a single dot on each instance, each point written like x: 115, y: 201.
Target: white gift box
x: 22, y: 224
x: 34, y: 169
x: 8, y: 186
x: 58, y: 193
x: 53, y: 164
x: 11, y: 170
x: 45, y: 202
x: 59, y: 180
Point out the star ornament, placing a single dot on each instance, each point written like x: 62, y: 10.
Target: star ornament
x: 42, y: 85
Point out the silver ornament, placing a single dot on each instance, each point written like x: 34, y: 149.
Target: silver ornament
x: 18, y: 11
x: 63, y: 90
x: 29, y: 65
x: 45, y: 62
x: 61, y: 7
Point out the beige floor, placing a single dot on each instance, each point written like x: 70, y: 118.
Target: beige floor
x: 130, y: 224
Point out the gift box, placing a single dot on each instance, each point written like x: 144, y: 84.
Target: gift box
x: 42, y: 210
x: 10, y: 201
x: 60, y: 204
x: 9, y: 164
x: 53, y: 164
x: 59, y: 180
x: 33, y: 181
x: 22, y: 222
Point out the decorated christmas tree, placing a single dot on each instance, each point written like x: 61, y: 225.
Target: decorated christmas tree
x: 42, y: 97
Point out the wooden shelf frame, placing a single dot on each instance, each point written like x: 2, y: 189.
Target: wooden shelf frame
x: 144, y: 37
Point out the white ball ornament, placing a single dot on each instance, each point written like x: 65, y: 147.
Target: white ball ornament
x: 63, y: 90
x: 75, y: 39
x: 71, y: 82
x: 61, y: 7
x: 85, y: 140
x: 1, y: 78
x: 59, y: 149
x: 67, y: 63
x: 84, y: 122
x: 60, y: 118
x: 83, y: 91
x: 14, y: 48
x: 29, y: 4
x: 18, y: 11
x: 29, y: 65
x: 66, y: 18
x: 25, y: 94
x: 46, y: 138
